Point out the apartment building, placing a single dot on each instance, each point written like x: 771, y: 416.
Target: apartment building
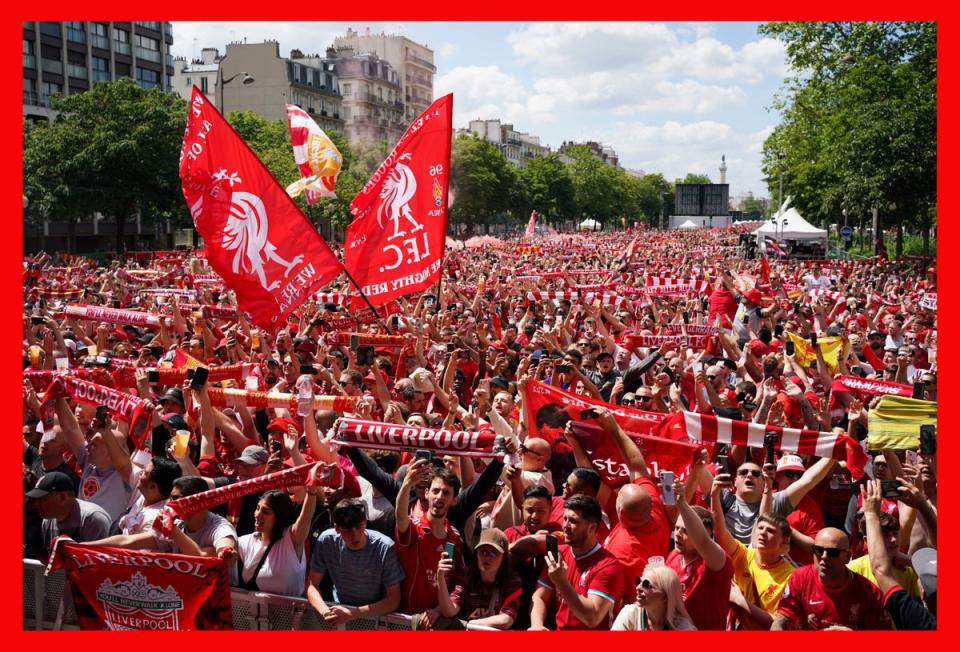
x: 201, y: 73
x: 373, y: 109
x: 518, y: 147
x: 63, y: 58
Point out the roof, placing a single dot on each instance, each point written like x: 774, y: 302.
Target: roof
x: 791, y: 226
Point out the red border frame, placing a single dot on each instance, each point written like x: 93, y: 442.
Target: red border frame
x: 434, y: 11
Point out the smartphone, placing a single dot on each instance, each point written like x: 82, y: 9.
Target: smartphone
x: 354, y: 342
x: 889, y: 488
x: 450, y: 549
x: 450, y: 347
x: 928, y: 439
x: 36, y: 320
x: 911, y: 457
x: 813, y: 339
x: 424, y: 455
x: 553, y: 546
x: 199, y: 377
x: 778, y: 330
x: 308, y: 369
x: 745, y: 318
x: 101, y: 416
x: 666, y: 488
x: 686, y: 317
x: 153, y: 376
x: 917, y: 391
x: 789, y: 347
x: 589, y: 413
x: 769, y: 442
x: 563, y: 368
x: 723, y: 464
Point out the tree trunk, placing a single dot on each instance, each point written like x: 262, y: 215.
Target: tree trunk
x: 899, y: 236
x: 926, y: 240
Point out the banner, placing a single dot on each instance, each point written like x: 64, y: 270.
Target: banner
x: 111, y: 315
x: 929, y: 301
x: 394, y: 246
x: 831, y: 347
x: 220, y: 396
x: 365, y: 339
x: 708, y: 428
x: 869, y: 387
x: 548, y: 409
x: 41, y: 380
x: 390, y: 436
x: 633, y: 340
x: 120, y: 589
x: 317, y: 158
x: 256, y: 238
x: 895, y: 422
x: 122, y: 405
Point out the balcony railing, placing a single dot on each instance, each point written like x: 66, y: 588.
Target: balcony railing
x: 101, y: 42
x: 149, y: 55
x: 101, y: 75
x: 421, y: 62
x: 49, y: 65
x: 79, y: 72
x: 121, y: 48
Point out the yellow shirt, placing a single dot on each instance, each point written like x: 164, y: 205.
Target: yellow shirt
x: 906, y: 577
x: 760, y: 585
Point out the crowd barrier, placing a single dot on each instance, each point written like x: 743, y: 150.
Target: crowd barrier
x: 44, y: 608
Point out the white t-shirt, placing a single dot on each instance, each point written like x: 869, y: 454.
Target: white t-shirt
x: 283, y: 573
x: 813, y: 283
x: 506, y: 513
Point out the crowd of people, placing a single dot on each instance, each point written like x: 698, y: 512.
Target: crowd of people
x: 535, y: 536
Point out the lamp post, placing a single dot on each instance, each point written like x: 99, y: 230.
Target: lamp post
x: 247, y: 80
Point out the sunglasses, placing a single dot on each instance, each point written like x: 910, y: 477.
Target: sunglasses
x: 645, y: 584
x: 644, y: 398
x: 628, y: 401
x: 833, y: 553
x: 793, y: 475
x: 745, y: 472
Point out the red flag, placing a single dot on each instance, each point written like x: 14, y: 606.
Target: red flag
x: 764, y: 269
x: 256, y: 238
x: 122, y: 589
x: 531, y: 226
x: 394, y: 246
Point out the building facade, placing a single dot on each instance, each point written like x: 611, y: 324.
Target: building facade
x: 412, y: 61
x: 518, y: 147
x: 201, y: 73
x: 373, y: 109
x: 63, y: 58
x: 309, y: 82
x: 602, y: 152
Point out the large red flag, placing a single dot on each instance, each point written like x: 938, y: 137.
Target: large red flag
x: 531, y: 226
x: 394, y: 245
x: 256, y: 238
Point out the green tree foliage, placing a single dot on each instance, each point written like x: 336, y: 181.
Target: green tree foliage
x: 483, y: 184
x: 549, y: 188
x: 859, y: 121
x: 696, y: 178
x: 113, y: 149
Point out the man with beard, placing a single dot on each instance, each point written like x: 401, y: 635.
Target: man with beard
x: 584, y: 581
x: 421, y: 542
x: 827, y: 595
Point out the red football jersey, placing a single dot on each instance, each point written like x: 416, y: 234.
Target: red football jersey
x: 858, y: 604
x: 706, y: 593
x: 595, y: 573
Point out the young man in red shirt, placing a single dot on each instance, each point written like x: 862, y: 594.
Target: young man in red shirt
x: 704, y: 569
x: 585, y: 582
x: 827, y: 595
x: 420, y: 544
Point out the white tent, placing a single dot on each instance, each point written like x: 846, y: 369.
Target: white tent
x: 589, y: 225
x: 790, y: 226
x: 689, y: 224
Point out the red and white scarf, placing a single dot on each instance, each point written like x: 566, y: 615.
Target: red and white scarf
x: 870, y: 387
x: 390, y: 436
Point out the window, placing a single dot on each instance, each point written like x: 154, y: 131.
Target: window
x: 101, y: 69
x: 147, y: 48
x: 49, y: 89
x: 155, y: 26
x: 29, y: 58
x: 76, y: 32
x: 346, y: 89
x: 76, y: 65
x: 121, y: 69
x: 121, y: 41
x: 99, y: 37
x: 169, y: 83
x: 296, y: 72
x: 204, y: 85
x: 29, y: 91
x: 50, y: 29
x: 147, y: 79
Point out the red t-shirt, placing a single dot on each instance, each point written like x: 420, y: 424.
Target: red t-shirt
x: 633, y: 547
x: 722, y: 302
x: 858, y: 604
x: 807, y: 519
x: 519, y: 531
x: 706, y: 593
x: 556, y: 519
x: 595, y: 573
x: 419, y: 552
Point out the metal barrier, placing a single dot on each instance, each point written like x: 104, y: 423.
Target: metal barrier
x: 47, y: 605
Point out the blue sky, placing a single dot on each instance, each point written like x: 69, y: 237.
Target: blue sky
x: 668, y: 97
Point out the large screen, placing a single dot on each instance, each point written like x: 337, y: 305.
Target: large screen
x: 702, y: 199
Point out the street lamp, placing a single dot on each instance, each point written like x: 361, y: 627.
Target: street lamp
x: 246, y: 81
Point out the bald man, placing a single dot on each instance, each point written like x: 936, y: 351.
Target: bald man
x: 534, y: 455
x: 643, y: 531
x: 827, y: 595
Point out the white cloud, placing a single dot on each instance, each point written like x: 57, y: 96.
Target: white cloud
x: 446, y: 50
x: 486, y: 92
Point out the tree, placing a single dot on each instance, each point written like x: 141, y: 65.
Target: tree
x: 113, y: 149
x: 696, y: 178
x: 483, y: 183
x: 595, y: 185
x: 549, y: 188
x: 859, y: 121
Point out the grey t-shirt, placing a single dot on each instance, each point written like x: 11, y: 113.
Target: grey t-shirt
x: 105, y: 488
x: 359, y: 576
x: 86, y: 522
x: 741, y: 516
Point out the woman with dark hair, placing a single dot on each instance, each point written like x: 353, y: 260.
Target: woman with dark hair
x: 272, y: 558
x: 491, y: 595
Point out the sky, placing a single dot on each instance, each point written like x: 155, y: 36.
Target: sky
x: 667, y: 97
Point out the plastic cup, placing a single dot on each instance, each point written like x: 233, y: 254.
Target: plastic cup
x: 181, y: 442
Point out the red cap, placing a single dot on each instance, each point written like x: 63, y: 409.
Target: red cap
x: 282, y: 424
x: 753, y: 296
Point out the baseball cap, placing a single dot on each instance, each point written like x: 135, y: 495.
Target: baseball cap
x: 53, y: 481
x: 924, y: 563
x: 753, y: 296
x: 175, y: 421
x: 282, y: 424
x: 306, y: 346
x: 494, y: 538
x: 790, y: 463
x: 254, y: 455
x: 174, y: 394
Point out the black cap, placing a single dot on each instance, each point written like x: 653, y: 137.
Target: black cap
x: 53, y: 481
x: 174, y: 394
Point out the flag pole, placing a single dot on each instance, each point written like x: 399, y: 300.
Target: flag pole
x: 364, y: 297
